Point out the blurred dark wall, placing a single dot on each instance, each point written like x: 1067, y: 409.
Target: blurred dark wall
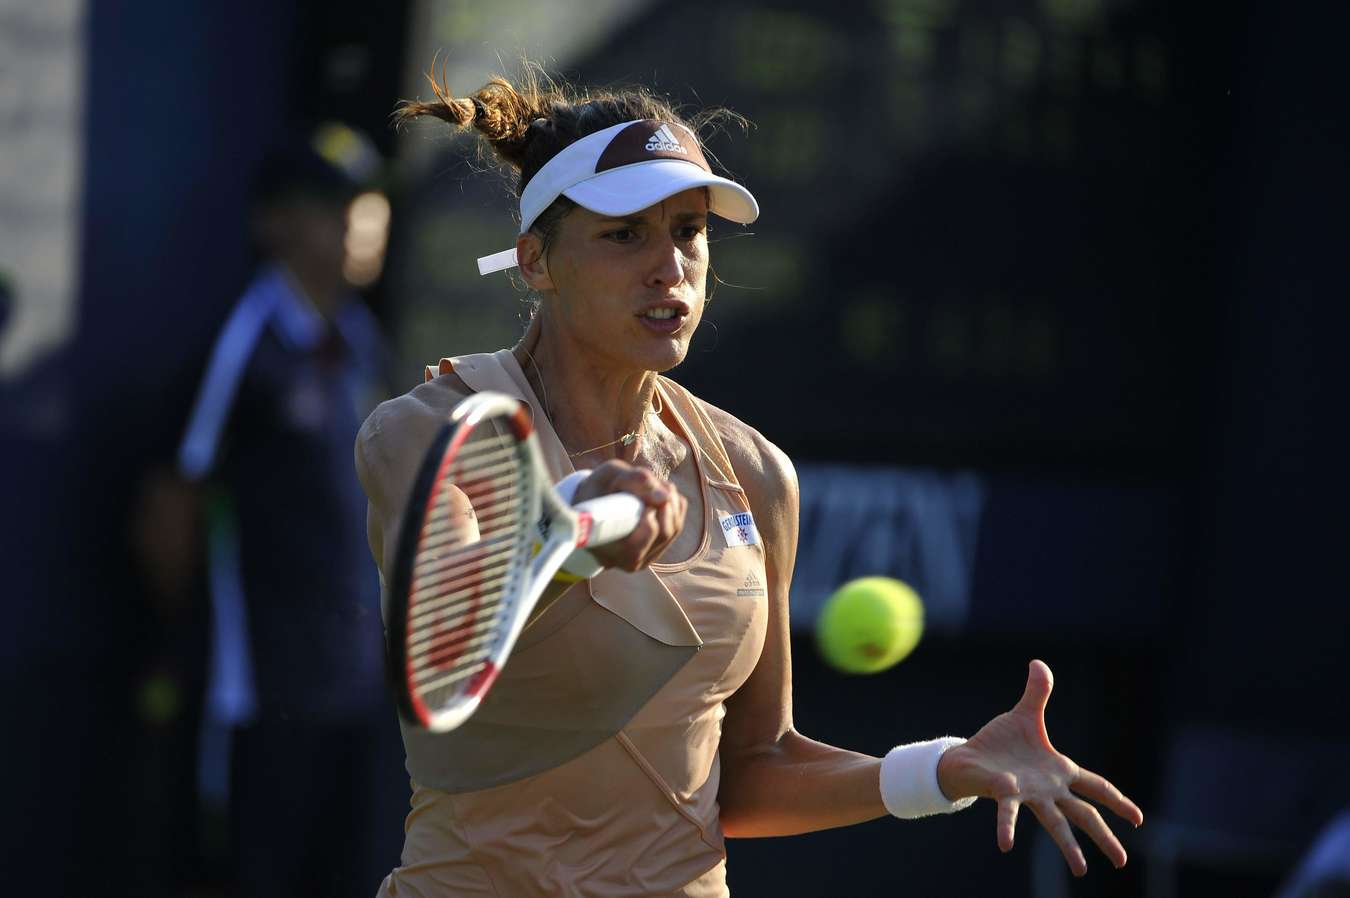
x: 987, y: 227
x: 1256, y: 722
x: 181, y: 99
x: 1275, y: 620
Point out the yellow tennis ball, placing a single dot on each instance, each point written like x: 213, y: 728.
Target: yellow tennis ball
x: 869, y: 624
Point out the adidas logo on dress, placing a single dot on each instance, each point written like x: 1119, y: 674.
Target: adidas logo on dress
x: 664, y: 140
x: 751, y: 587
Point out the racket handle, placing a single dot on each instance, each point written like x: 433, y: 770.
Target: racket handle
x: 582, y: 564
x: 603, y: 520
x: 612, y: 518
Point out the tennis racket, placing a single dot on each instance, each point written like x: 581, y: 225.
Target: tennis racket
x: 483, y: 533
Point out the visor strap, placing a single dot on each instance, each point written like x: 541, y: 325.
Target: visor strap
x: 498, y: 261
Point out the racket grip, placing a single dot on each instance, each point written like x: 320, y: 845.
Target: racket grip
x: 612, y: 518
x: 603, y: 520
x: 581, y: 564
x: 567, y: 487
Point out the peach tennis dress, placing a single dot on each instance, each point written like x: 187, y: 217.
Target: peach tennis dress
x: 592, y: 768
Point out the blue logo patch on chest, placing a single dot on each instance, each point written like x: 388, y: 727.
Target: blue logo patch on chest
x: 739, y: 529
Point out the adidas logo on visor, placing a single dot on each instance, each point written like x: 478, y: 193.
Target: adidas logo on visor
x: 621, y: 170
x: 664, y: 140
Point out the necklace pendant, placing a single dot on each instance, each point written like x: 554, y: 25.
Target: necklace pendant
x: 628, y: 438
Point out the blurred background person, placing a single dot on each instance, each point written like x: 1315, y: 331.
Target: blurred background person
x: 264, y: 488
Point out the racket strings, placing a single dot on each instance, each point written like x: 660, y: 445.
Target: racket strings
x: 427, y: 663
x: 507, y: 463
x: 443, y: 604
x: 457, y: 528
x: 466, y: 560
x: 484, y: 443
x: 438, y: 592
x: 450, y: 562
x: 458, y: 675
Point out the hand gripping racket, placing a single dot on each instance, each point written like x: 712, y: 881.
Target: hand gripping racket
x: 483, y: 534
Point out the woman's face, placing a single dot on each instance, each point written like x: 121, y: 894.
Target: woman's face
x: 630, y: 290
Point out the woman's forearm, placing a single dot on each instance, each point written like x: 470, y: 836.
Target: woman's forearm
x: 796, y: 786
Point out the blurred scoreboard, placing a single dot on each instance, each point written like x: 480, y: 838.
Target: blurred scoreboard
x: 987, y: 230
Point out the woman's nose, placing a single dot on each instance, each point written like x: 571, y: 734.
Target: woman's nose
x: 667, y: 269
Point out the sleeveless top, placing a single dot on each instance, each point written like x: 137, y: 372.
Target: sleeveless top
x: 592, y: 767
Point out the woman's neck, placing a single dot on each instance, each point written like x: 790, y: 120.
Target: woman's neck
x: 589, y: 404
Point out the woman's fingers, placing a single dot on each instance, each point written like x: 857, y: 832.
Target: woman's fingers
x: 672, y: 519
x: 1099, y: 789
x: 1040, y: 683
x: 615, y: 476
x: 668, y: 518
x: 1058, y: 827
x: 661, y: 521
x: 1085, y: 817
x: 1007, y: 822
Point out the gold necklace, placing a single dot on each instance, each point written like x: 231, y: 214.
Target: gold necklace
x: 626, y: 439
x: 629, y: 438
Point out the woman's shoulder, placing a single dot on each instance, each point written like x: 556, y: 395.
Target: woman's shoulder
x: 764, y: 470
x: 434, y: 399
x: 398, y: 431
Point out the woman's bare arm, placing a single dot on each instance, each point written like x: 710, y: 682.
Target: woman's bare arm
x: 389, y: 451
x: 775, y: 781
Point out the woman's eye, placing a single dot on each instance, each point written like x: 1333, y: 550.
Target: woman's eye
x: 689, y: 232
x: 622, y: 235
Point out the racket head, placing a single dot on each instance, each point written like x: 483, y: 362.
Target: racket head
x: 465, y: 568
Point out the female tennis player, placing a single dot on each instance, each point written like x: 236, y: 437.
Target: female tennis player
x: 646, y: 714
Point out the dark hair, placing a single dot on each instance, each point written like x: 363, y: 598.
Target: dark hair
x: 527, y: 125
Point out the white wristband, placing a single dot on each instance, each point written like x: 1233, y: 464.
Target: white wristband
x: 909, y: 783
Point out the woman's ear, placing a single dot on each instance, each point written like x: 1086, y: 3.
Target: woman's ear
x: 533, y: 262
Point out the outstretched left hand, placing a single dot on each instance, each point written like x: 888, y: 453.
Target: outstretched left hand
x: 1012, y: 761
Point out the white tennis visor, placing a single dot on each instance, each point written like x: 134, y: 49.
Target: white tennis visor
x: 624, y: 169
